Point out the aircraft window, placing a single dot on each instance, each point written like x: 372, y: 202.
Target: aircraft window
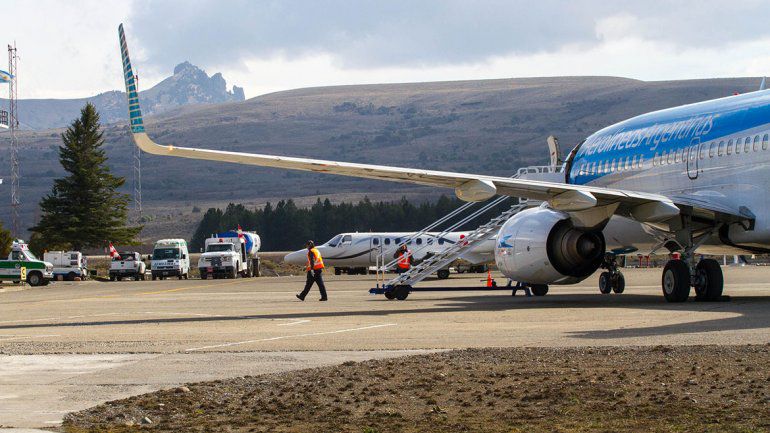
x: 756, y: 143
x: 764, y: 141
x: 711, y: 149
x: 655, y: 159
x: 721, y: 148
x: 397, y: 241
x: 670, y: 157
x: 334, y: 241
x: 375, y: 241
x: 347, y: 239
x: 418, y: 241
x: 702, y: 153
x: 641, y: 161
x: 729, y: 150
x: 628, y: 162
x: 738, y: 145
x: 747, y: 145
x: 387, y: 241
x: 678, y: 156
x: 693, y: 153
x: 441, y: 241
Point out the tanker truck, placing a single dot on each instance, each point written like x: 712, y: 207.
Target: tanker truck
x: 230, y: 254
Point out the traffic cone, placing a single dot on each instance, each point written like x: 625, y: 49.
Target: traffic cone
x: 489, y: 279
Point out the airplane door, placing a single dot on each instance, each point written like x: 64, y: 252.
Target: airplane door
x: 375, y: 248
x: 691, y: 154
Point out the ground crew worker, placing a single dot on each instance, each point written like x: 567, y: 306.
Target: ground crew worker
x: 314, y: 268
x: 405, y: 259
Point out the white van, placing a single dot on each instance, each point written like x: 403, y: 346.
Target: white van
x: 170, y: 258
x: 67, y: 265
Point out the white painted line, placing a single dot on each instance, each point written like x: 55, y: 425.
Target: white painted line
x: 283, y: 337
x: 295, y: 323
x: 22, y: 337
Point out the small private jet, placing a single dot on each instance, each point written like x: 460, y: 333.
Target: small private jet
x: 355, y: 253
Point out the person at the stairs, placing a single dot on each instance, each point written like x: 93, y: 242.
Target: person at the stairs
x: 405, y: 259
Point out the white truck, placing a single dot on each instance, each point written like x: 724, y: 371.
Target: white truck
x: 230, y: 254
x: 67, y: 265
x: 21, y: 264
x: 170, y: 258
x: 129, y: 265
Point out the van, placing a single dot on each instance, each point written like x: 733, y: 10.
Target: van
x: 67, y: 265
x: 170, y: 258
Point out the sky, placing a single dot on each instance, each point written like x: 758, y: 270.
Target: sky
x: 69, y: 49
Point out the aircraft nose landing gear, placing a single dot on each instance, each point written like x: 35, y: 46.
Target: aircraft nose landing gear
x: 612, y: 280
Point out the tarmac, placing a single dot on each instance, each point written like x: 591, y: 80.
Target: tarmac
x: 70, y: 346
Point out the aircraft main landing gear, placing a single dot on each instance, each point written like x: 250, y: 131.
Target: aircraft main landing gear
x: 612, y: 280
x: 679, y: 275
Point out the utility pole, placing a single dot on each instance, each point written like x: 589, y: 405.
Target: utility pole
x: 13, y: 125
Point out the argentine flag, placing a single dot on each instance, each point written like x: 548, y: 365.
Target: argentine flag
x: 5, y: 76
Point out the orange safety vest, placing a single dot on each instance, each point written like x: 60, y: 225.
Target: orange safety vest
x: 318, y: 262
x: 403, y: 259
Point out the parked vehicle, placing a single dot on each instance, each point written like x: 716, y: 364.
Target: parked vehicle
x: 129, y: 265
x: 230, y: 254
x: 67, y: 265
x: 170, y: 258
x: 38, y: 272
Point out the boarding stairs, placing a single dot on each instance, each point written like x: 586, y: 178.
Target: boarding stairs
x: 441, y: 260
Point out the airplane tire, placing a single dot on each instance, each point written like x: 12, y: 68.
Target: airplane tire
x: 442, y: 274
x: 711, y: 274
x: 605, y: 283
x: 619, y: 285
x: 539, y: 289
x: 676, y: 281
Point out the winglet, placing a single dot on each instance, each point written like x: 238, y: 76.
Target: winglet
x: 134, y: 111
x: 762, y: 84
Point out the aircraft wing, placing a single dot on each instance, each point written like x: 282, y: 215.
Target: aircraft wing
x: 643, y: 207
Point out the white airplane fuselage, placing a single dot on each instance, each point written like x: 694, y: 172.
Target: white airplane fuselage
x: 363, y: 249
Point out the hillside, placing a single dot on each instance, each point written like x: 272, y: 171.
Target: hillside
x: 188, y: 85
x: 490, y: 126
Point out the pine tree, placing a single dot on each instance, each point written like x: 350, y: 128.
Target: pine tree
x: 5, y: 242
x: 85, y: 209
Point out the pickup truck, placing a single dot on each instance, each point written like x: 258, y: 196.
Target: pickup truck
x: 129, y: 265
x: 38, y: 272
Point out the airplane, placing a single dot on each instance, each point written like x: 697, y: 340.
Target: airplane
x: 691, y: 178
x: 354, y: 253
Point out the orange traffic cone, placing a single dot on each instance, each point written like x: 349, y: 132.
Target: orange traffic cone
x: 490, y: 282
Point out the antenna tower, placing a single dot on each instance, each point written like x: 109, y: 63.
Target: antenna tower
x: 13, y: 125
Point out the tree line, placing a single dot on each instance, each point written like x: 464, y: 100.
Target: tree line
x: 284, y: 226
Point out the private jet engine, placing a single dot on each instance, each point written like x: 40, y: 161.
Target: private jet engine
x: 541, y: 246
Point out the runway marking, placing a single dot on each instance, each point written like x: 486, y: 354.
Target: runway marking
x: 22, y: 337
x: 283, y: 337
x: 295, y: 323
x: 179, y: 289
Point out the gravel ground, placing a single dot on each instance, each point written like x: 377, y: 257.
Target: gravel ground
x: 632, y: 389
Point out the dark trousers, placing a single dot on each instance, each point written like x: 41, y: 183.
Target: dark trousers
x: 314, y: 277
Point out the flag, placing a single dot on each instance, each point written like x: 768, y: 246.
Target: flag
x: 114, y: 253
x: 240, y: 232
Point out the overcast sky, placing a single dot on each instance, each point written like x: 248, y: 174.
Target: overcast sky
x: 69, y: 48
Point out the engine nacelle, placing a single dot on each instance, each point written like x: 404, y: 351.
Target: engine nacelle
x: 542, y: 246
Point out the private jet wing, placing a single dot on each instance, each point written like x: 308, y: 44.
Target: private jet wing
x: 643, y: 207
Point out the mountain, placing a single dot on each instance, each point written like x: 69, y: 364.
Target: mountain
x: 188, y: 86
x: 485, y: 126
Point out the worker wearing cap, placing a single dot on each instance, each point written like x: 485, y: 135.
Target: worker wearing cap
x: 314, y: 268
x: 405, y: 259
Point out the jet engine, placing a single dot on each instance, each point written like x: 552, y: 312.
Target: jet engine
x: 542, y: 246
